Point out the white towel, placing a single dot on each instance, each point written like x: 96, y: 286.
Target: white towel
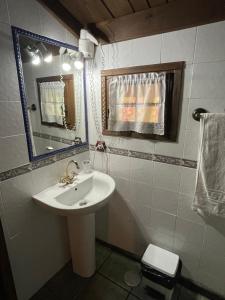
x: 210, y: 188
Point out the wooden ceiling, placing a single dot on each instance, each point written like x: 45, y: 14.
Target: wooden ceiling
x: 118, y: 20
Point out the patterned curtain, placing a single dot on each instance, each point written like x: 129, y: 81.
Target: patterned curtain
x: 137, y: 103
x: 52, y: 102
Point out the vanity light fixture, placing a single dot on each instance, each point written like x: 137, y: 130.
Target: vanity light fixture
x: 47, y: 55
x: 36, y: 59
x: 33, y: 52
x: 66, y: 64
x: 79, y: 61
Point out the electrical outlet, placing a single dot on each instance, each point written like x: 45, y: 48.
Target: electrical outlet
x: 100, y: 146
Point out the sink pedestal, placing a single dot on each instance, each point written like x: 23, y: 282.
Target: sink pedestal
x: 82, y: 243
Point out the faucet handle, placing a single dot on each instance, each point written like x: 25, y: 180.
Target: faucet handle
x: 76, y: 163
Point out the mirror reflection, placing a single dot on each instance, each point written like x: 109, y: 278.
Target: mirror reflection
x: 54, y: 90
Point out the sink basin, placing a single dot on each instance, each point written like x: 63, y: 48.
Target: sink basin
x: 87, y: 194
x: 78, y: 202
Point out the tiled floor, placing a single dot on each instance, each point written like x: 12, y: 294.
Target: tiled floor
x: 107, y: 284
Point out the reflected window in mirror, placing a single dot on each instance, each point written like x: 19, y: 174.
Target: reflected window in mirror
x: 56, y: 101
x: 52, y: 94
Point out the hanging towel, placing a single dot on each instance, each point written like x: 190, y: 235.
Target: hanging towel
x: 210, y: 188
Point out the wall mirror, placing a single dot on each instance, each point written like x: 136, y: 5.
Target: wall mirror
x: 52, y: 93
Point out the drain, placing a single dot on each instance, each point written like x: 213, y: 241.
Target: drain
x: 82, y: 203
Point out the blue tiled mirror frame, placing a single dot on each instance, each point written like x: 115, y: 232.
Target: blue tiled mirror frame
x: 16, y: 32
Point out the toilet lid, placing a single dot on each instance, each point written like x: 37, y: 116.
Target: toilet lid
x: 161, y: 260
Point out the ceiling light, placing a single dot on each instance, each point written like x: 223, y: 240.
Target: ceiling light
x: 66, y: 67
x: 48, y: 58
x: 66, y: 62
x: 79, y: 61
x: 36, y: 59
x: 46, y: 54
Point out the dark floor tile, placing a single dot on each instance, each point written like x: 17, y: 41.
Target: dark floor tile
x: 132, y: 297
x: 116, y: 266
x: 100, y: 288
x: 144, y: 292
x: 102, y: 253
x: 43, y: 294
x: 66, y: 285
x: 186, y: 294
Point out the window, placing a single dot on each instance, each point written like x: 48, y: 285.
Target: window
x: 143, y: 101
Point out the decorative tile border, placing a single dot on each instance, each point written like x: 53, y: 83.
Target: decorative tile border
x: 112, y: 150
x: 153, y: 157
x: 41, y: 163
x: 55, y: 138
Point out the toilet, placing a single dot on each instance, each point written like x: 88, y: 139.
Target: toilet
x: 162, y: 268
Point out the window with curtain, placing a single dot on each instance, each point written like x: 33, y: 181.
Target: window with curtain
x: 137, y: 103
x: 142, y: 102
x: 57, y: 101
x: 52, y: 102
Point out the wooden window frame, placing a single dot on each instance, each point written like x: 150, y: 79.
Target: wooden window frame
x: 172, y: 122
x: 69, y: 105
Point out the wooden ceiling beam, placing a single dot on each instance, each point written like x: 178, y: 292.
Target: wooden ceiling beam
x: 63, y: 14
x: 174, y: 15
x: 55, y: 7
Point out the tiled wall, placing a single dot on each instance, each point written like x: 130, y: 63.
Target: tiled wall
x: 153, y: 200
x: 36, y: 240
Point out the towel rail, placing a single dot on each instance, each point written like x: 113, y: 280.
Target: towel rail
x: 196, y: 115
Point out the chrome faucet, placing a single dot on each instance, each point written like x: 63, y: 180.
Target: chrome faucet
x: 70, y: 178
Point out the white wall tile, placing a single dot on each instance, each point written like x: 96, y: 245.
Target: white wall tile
x: 190, y: 256
x: 164, y: 200
x: 4, y: 15
x: 191, y: 145
x: 208, y: 80
x: 25, y: 14
x: 166, y: 176
x: 159, y: 239
x: 147, y: 146
x: 71, y: 38
x: 189, y: 232
x: 141, y: 170
x: 212, y: 261
x: 20, y: 210
x: 45, y: 177
x: 215, y: 236
x: 38, y: 253
x: 146, y: 50
x: 210, y: 44
x: 99, y: 160
x: 140, y: 194
x: 9, y: 89
x: 188, y: 179
x: 51, y: 27
x: 171, y: 148
x: 162, y: 222
x: 119, y: 166
x: 11, y: 118
x: 185, y: 211
x: 188, y: 73
x: 178, y: 45
x: 13, y: 152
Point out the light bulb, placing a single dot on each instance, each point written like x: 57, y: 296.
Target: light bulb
x: 79, y: 65
x: 36, y: 59
x: 48, y: 58
x: 66, y: 66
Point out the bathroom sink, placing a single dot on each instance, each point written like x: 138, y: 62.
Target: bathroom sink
x: 78, y: 202
x: 85, y: 195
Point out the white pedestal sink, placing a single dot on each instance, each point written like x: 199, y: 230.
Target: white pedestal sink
x: 78, y: 202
